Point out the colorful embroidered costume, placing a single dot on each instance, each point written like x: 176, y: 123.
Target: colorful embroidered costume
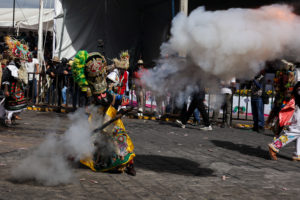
x: 113, y: 146
x: 121, y: 148
x: 289, y: 117
x: 283, y: 83
x: 14, y: 78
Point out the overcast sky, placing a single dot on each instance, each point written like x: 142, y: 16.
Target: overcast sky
x: 25, y: 3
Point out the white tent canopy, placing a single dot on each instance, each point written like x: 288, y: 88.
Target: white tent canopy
x: 26, y: 18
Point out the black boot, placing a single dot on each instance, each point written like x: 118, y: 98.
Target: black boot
x: 130, y: 170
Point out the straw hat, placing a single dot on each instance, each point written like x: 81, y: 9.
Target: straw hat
x: 140, y: 62
x: 70, y: 62
x: 113, y: 76
x: 288, y: 65
x: 55, y: 59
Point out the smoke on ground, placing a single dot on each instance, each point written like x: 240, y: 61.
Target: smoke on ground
x: 223, y: 44
x: 48, y: 164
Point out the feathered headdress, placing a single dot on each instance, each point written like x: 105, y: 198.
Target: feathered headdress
x: 17, y: 49
x: 123, y: 63
x: 78, y: 69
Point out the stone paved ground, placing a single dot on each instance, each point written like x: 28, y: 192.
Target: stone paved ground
x: 171, y: 163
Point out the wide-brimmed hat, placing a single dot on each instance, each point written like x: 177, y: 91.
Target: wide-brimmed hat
x: 140, y: 62
x: 55, y: 59
x: 113, y: 76
x: 70, y: 62
x: 287, y: 63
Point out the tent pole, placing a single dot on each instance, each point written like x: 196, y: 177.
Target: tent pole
x: 40, y: 42
x: 14, y: 8
x: 54, y: 31
x: 62, y: 33
x: 40, y: 34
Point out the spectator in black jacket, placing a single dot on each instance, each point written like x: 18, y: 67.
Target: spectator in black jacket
x: 198, y: 98
x: 63, y: 72
x: 53, y: 72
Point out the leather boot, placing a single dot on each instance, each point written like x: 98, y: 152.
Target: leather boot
x: 130, y: 170
x: 272, y: 154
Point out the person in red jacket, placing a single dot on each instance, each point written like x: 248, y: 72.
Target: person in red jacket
x: 123, y: 75
x: 122, y: 65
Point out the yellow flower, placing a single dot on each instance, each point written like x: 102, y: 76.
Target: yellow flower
x: 269, y: 92
x: 283, y: 138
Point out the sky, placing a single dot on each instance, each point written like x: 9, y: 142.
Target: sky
x: 25, y: 3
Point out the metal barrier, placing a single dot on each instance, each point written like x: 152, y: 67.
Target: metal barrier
x: 63, y: 91
x: 44, y: 90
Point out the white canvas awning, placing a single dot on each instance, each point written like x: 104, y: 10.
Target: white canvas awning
x: 26, y: 18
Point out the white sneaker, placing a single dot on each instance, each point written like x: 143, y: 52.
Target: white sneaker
x: 206, y: 128
x: 180, y: 123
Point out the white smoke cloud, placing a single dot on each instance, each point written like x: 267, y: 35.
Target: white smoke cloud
x: 224, y: 44
x: 48, y: 164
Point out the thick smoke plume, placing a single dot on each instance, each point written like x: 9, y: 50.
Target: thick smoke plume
x: 48, y: 164
x: 220, y: 45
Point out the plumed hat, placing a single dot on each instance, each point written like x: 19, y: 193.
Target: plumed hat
x: 140, y: 62
x: 17, y: 49
x: 123, y: 63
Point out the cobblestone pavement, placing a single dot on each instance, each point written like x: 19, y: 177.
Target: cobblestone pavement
x: 171, y: 163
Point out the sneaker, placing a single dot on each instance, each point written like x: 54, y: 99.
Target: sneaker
x: 180, y: 123
x: 225, y: 125
x: 261, y: 129
x: 157, y: 116
x: 196, y: 123
x: 206, y: 128
x: 296, y: 158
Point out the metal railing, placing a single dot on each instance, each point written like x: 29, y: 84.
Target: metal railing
x: 63, y: 91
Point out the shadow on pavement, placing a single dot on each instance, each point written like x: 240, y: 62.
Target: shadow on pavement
x: 174, y: 165
x: 245, y: 149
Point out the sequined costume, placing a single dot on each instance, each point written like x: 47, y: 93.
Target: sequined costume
x: 284, y: 82
x: 14, y: 78
x: 113, y: 146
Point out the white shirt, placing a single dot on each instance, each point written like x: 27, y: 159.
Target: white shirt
x: 31, y: 67
x: 226, y: 89
x: 14, y: 70
x: 298, y: 74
